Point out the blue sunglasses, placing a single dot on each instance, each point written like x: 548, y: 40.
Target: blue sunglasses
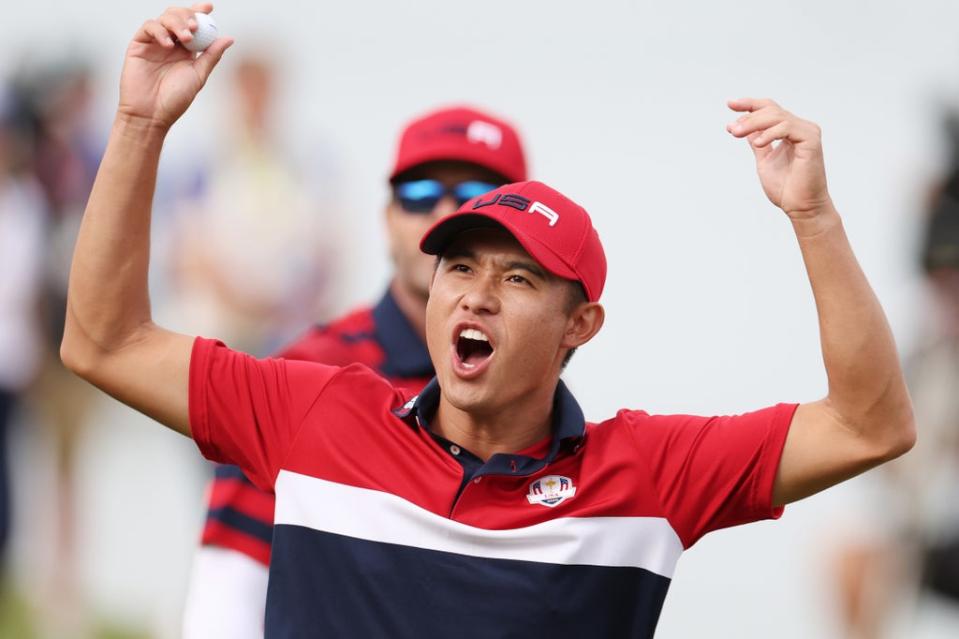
x: 422, y: 196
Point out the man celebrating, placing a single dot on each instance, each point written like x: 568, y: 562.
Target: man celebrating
x: 444, y: 158
x: 486, y: 505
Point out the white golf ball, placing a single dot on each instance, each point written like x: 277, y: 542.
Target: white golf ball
x: 204, y: 35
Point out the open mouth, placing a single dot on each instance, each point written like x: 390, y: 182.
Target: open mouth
x: 473, y: 348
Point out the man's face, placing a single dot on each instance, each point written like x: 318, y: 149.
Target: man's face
x: 496, y: 322
x: 414, y: 268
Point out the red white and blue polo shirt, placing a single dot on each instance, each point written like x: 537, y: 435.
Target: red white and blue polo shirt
x: 240, y: 515
x: 383, y: 530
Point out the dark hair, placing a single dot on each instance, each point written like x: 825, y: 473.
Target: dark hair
x: 941, y: 242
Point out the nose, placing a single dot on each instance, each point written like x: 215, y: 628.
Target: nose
x: 445, y: 206
x: 481, y: 297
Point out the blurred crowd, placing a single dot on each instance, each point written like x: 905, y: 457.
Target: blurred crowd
x: 48, y: 159
x: 250, y: 256
x: 897, y: 566
x: 247, y: 254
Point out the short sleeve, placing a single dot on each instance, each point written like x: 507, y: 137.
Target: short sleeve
x: 246, y: 411
x: 712, y: 472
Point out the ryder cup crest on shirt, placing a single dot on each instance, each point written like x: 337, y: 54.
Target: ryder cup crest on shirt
x: 551, y: 490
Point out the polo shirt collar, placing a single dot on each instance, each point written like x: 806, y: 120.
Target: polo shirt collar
x: 404, y: 350
x: 568, y: 427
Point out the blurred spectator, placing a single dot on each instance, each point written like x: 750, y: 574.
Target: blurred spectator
x: 56, y: 113
x: 935, y: 372
x: 904, y: 559
x: 253, y: 252
x: 22, y: 222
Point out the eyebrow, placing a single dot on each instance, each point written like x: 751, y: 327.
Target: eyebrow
x: 527, y: 266
x: 523, y: 265
x: 459, y: 252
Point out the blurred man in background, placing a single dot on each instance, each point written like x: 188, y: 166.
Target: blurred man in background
x: 935, y: 383
x: 255, y: 249
x: 55, y: 117
x: 901, y: 558
x: 23, y: 216
x: 443, y: 159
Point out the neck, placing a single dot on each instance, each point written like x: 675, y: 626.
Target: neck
x: 412, y: 305
x: 509, y: 429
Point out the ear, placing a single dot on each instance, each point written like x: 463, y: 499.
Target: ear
x: 584, y: 322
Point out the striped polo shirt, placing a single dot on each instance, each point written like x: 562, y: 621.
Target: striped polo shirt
x: 384, y: 530
x: 240, y: 515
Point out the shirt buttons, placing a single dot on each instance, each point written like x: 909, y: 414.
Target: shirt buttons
x: 456, y: 450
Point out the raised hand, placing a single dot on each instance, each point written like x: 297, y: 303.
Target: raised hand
x: 792, y: 172
x: 160, y: 79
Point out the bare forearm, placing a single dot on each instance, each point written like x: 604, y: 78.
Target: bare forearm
x: 109, y: 337
x: 108, y: 298
x: 866, y: 386
x: 866, y: 418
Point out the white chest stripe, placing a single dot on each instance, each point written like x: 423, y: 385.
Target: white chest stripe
x: 641, y: 542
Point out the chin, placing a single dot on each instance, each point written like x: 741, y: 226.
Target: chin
x: 469, y: 397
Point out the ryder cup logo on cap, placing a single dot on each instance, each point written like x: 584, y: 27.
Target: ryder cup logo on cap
x: 551, y: 491
x: 485, y: 132
x: 554, y: 230
x: 461, y: 134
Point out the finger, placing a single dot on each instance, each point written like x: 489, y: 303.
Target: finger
x: 160, y: 34
x: 759, y: 152
x: 200, y: 7
x: 795, y: 130
x: 749, y: 104
x: 153, y: 31
x: 757, y: 121
x: 207, y: 60
x: 176, y: 20
x: 782, y: 131
x: 183, y: 12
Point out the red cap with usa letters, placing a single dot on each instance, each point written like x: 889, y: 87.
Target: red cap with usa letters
x: 554, y: 230
x: 462, y: 134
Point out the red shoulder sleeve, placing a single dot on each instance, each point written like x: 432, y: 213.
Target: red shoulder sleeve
x: 712, y: 472
x: 247, y: 411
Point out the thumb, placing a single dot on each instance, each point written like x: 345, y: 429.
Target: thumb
x: 207, y: 60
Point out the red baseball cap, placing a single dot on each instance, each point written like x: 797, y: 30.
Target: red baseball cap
x: 464, y: 134
x: 554, y: 230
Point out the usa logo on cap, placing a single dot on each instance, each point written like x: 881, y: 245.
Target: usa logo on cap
x: 551, y: 490
x: 554, y: 230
